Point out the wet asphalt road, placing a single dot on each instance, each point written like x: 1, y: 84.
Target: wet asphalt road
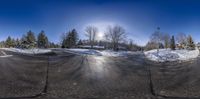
x: 61, y: 75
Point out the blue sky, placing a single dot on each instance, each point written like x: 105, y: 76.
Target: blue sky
x: 140, y: 18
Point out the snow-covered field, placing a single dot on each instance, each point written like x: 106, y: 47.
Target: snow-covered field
x: 102, y: 53
x: 28, y: 51
x: 171, y: 55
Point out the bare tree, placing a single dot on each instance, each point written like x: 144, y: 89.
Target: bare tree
x: 150, y: 45
x: 156, y: 37
x: 166, y: 39
x: 115, y: 35
x: 91, y: 33
x: 107, y: 39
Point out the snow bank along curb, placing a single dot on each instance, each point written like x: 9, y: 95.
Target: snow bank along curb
x: 171, y: 55
x: 28, y: 51
x: 84, y: 51
x: 108, y: 53
x: 3, y: 54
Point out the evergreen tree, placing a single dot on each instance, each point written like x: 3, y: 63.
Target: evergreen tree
x: 100, y: 43
x: 172, y: 46
x: 2, y: 44
x: 9, y: 42
x: 190, y: 43
x: 17, y: 43
x: 24, y: 42
x: 69, y: 39
x: 80, y: 42
x: 74, y: 37
x: 30, y: 39
x: 130, y: 45
x: 42, y: 40
x: 52, y: 45
x: 64, y: 40
x: 13, y: 42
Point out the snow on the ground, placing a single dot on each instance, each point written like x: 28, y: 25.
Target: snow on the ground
x: 85, y: 51
x: 117, y: 53
x: 88, y: 46
x: 101, y: 53
x: 28, y: 51
x: 171, y: 55
x: 3, y: 54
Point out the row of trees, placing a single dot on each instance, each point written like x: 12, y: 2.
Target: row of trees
x: 69, y: 39
x: 114, y: 35
x: 114, y: 38
x: 164, y: 40
x: 29, y: 40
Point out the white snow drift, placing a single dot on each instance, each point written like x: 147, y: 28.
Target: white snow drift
x: 171, y: 55
x: 101, y: 53
x: 117, y: 53
x: 28, y: 51
x: 3, y: 54
x: 85, y: 51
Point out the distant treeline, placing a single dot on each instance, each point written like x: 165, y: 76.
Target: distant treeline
x: 29, y: 40
x: 159, y: 40
x: 114, y: 38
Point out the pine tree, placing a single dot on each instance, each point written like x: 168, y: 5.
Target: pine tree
x: 23, y: 41
x: 69, y: 39
x: 17, y: 43
x: 52, y: 45
x: 13, y: 42
x: 2, y: 44
x: 80, y: 42
x: 42, y: 40
x: 9, y: 42
x: 130, y: 45
x: 172, y: 46
x: 30, y: 39
x: 64, y: 40
x: 74, y: 37
x: 190, y: 43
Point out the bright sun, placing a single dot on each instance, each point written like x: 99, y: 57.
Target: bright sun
x: 100, y: 36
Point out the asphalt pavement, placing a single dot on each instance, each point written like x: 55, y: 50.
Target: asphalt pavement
x: 62, y: 75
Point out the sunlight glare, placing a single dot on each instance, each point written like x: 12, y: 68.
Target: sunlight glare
x: 100, y: 36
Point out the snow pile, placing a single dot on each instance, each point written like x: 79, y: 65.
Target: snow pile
x: 28, y: 51
x: 101, y: 53
x: 3, y: 54
x: 171, y: 55
x: 116, y: 53
x: 85, y: 51
x: 88, y: 46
